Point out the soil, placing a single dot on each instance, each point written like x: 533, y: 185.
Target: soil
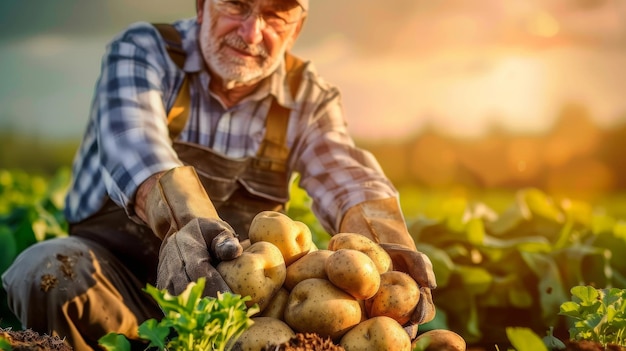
x: 591, y: 346
x: 306, y: 342
x: 28, y: 340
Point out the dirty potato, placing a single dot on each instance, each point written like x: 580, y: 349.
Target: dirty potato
x: 354, y: 272
x: 377, y: 334
x: 442, y: 340
x: 361, y: 243
x: 317, y: 306
x: 265, y: 331
x: 259, y: 273
x: 276, y: 307
x: 396, y: 298
x: 311, y: 265
x: 292, y: 238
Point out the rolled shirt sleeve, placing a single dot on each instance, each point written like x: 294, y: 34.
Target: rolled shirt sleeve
x: 334, y: 171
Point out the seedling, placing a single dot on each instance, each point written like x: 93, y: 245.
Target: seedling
x: 199, y: 323
x: 599, y: 314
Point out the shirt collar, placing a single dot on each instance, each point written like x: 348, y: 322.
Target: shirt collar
x: 275, y: 85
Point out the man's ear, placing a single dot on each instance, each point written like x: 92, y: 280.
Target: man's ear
x: 199, y: 10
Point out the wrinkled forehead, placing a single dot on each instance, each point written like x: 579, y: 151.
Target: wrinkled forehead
x: 283, y: 5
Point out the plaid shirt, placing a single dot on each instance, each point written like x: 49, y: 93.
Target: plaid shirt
x: 127, y: 140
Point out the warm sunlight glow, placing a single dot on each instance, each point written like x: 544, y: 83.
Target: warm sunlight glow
x: 543, y: 24
x: 511, y: 88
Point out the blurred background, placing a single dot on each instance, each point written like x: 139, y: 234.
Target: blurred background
x: 487, y: 94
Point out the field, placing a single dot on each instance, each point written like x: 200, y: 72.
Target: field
x: 502, y: 258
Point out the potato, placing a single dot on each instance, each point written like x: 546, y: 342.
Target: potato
x: 293, y: 238
x: 442, y: 340
x: 265, y: 331
x: 313, y: 245
x: 396, y: 298
x: 307, y: 232
x: 311, y: 265
x: 276, y: 307
x: 354, y: 272
x: 377, y: 334
x: 259, y: 273
x: 361, y: 243
x: 317, y: 306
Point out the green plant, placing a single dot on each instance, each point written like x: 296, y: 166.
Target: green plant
x: 599, y: 314
x: 552, y: 342
x: 5, y: 345
x: 524, y: 339
x: 200, y: 323
x: 516, y: 266
x: 31, y: 210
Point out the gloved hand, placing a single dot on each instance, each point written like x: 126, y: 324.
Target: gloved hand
x: 184, y: 257
x: 418, y: 266
x: 382, y: 221
x: 195, y: 239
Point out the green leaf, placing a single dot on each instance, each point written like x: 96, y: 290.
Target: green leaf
x: 550, y: 287
x: 8, y: 248
x: 5, y: 345
x: 602, y: 223
x: 152, y: 331
x: 570, y: 309
x: 584, y: 265
x: 476, y: 280
x: 528, y: 243
x: 200, y: 323
x: 520, y: 297
x: 585, y: 295
x: 455, y: 209
x: 524, y: 339
x: 114, y: 342
x: 475, y: 231
x: 541, y: 205
x: 552, y: 342
x: 23, y: 231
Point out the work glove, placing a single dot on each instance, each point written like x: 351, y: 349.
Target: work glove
x: 382, y: 222
x: 195, y: 239
x: 418, y: 266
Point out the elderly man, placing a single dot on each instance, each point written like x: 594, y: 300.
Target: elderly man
x: 195, y: 128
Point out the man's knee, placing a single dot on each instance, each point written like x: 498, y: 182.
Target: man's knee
x: 46, y: 275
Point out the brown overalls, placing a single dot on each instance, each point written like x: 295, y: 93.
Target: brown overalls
x: 90, y: 283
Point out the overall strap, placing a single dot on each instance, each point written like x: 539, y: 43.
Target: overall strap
x: 179, y: 113
x: 273, y: 152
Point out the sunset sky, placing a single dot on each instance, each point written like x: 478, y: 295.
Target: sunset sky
x: 457, y: 65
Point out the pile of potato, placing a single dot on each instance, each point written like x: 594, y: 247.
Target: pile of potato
x: 347, y: 292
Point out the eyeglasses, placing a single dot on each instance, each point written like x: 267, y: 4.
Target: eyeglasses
x: 277, y: 19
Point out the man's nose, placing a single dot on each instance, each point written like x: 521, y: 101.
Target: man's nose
x: 251, y: 29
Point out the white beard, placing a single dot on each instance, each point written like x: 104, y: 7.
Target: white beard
x: 233, y: 70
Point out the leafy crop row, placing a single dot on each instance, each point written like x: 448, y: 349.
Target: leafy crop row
x: 495, y: 269
x: 30, y: 210
x: 517, y: 267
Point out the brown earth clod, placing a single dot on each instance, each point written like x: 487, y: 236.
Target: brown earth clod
x: 29, y: 340
x: 306, y: 342
x: 48, y: 281
x: 67, y: 265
